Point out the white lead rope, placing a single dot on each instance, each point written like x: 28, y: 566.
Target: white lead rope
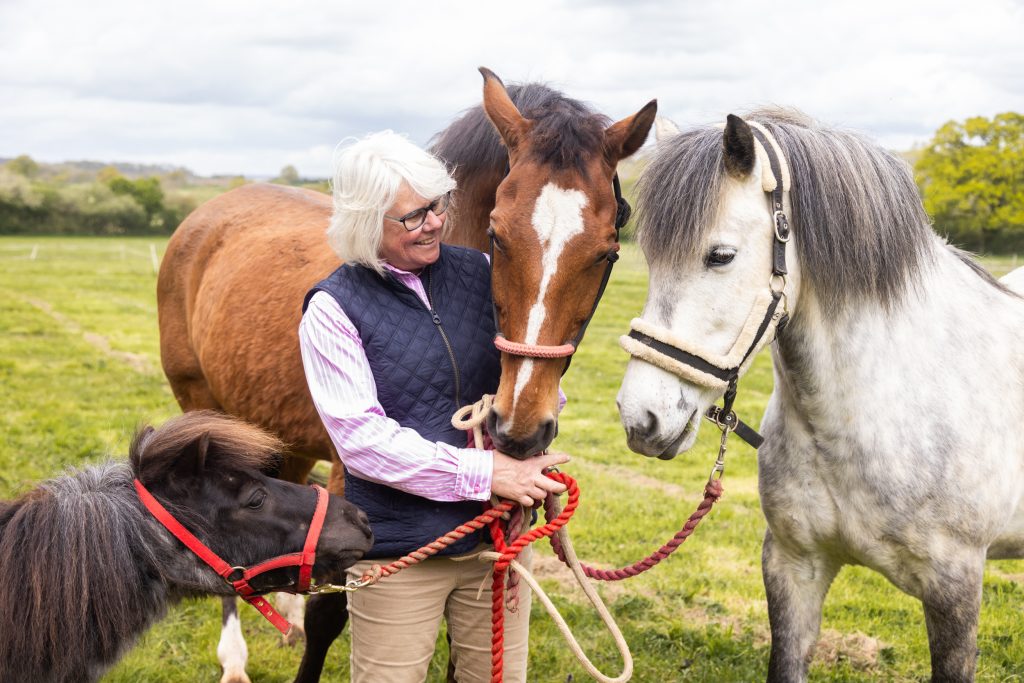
x: 472, y: 417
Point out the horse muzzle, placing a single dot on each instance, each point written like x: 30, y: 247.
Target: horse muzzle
x: 520, y: 446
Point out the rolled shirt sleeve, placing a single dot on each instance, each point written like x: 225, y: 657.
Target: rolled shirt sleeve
x: 370, y: 444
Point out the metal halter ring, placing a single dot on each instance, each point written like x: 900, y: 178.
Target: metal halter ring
x: 777, y: 283
x: 725, y: 421
x: 240, y: 571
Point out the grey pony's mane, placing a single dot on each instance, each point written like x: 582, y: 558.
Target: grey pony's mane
x: 77, y: 555
x: 861, y: 231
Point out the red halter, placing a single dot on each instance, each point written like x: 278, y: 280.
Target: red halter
x: 303, y: 560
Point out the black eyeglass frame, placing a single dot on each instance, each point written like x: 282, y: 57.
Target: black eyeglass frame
x: 446, y: 198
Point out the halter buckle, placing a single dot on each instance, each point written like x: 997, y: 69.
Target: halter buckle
x: 782, y: 232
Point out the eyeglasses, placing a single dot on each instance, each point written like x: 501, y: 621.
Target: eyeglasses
x: 414, y: 219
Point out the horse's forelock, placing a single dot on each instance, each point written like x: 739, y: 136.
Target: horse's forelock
x: 679, y: 195
x: 861, y: 231
x: 231, y: 445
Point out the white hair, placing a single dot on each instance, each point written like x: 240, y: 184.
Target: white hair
x: 368, y: 174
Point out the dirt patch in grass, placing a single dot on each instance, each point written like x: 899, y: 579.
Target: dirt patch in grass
x: 135, y: 361
x: 859, y: 649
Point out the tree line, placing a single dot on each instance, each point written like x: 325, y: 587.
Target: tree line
x: 43, y: 199
x: 970, y: 176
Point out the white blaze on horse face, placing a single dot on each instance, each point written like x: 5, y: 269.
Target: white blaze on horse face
x: 707, y: 306
x: 557, y: 218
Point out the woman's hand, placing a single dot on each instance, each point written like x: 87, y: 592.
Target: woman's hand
x: 523, y: 480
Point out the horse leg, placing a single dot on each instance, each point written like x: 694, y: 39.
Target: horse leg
x: 296, y: 469
x: 292, y: 607
x: 796, y: 586
x: 336, y: 482
x: 231, y: 650
x: 951, y: 607
x: 326, y: 616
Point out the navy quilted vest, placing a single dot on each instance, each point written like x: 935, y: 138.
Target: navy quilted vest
x: 416, y: 380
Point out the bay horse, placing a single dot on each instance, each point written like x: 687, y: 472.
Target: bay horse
x: 883, y: 447
x: 87, y: 568
x: 535, y: 174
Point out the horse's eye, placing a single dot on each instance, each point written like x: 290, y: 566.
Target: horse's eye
x: 256, y: 499
x: 720, y: 256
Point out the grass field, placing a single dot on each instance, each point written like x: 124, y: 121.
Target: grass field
x: 79, y: 369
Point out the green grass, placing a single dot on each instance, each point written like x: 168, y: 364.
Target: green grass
x: 79, y: 368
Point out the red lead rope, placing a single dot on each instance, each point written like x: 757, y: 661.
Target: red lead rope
x: 712, y: 492
x: 509, y: 553
x: 238, y: 577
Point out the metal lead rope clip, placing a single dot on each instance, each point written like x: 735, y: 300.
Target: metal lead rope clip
x: 719, y: 468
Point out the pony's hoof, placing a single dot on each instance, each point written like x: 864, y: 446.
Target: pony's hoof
x: 236, y: 676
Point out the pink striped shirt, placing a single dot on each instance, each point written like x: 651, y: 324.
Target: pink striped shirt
x: 372, y: 445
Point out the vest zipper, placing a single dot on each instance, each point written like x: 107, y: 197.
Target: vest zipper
x: 444, y: 337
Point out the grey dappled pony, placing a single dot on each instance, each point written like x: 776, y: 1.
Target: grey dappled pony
x: 891, y: 433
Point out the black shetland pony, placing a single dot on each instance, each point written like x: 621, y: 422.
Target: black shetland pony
x: 85, y: 568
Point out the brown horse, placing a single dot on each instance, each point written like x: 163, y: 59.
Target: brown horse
x: 235, y: 273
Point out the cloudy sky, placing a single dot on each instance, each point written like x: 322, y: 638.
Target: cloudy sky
x: 248, y: 87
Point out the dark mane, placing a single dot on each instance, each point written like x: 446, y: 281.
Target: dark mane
x: 565, y: 132
x: 231, y: 445
x: 79, y: 554
x: 861, y: 231
x: 70, y: 561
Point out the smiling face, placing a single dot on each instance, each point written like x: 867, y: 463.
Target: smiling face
x: 411, y: 250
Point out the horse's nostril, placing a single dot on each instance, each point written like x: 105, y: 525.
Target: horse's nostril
x: 548, y: 431
x: 651, y: 423
x: 645, y: 430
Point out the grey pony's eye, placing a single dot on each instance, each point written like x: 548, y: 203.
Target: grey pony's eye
x: 720, y: 256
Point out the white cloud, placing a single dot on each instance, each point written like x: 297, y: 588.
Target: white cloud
x: 247, y: 87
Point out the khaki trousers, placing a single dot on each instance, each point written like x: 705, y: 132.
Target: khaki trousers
x: 394, y: 624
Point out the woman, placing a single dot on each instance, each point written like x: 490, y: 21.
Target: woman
x: 393, y: 342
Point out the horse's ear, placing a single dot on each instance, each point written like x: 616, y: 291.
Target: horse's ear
x: 664, y: 129
x: 193, y: 457
x: 140, y: 442
x: 510, y: 124
x: 738, y: 143
x: 625, y: 137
